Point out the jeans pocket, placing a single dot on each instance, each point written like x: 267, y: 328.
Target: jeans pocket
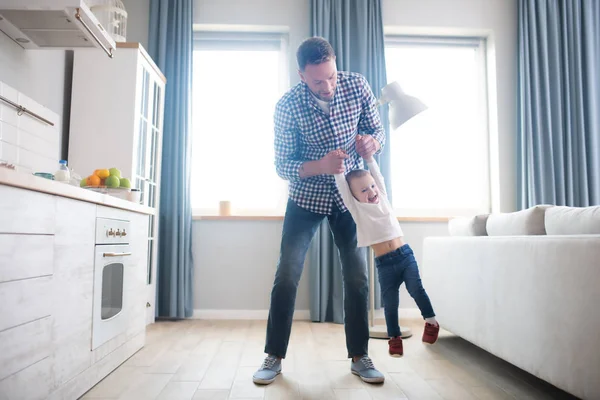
x: 380, y: 264
x: 406, y: 250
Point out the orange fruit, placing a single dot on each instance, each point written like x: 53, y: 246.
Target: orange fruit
x: 93, y: 180
x: 102, y: 173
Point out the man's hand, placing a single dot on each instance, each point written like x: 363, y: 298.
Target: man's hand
x: 333, y: 162
x: 367, y: 146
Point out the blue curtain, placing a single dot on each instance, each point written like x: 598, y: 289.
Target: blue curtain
x: 170, y: 45
x: 355, y: 31
x: 559, y: 102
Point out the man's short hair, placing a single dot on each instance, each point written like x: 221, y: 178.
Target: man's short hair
x: 314, y: 50
x: 357, y: 173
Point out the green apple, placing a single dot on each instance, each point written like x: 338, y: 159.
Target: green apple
x: 125, y: 183
x: 83, y: 182
x: 112, y: 182
x: 115, y: 172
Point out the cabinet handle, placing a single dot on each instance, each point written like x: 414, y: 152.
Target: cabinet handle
x: 87, y: 28
x: 115, y: 254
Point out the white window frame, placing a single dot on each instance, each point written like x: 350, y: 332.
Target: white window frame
x: 250, y: 40
x: 480, y: 44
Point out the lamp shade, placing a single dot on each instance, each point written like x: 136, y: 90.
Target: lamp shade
x: 402, y: 106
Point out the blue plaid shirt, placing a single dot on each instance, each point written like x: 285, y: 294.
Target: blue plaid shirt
x: 303, y: 132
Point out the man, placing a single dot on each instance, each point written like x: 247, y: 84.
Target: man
x: 318, y: 116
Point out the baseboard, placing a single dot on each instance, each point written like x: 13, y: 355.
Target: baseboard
x: 299, y: 315
x: 302, y: 315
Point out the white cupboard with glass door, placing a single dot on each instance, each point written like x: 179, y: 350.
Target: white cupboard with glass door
x: 117, y: 121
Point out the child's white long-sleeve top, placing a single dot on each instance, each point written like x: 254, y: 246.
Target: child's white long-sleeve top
x: 375, y: 223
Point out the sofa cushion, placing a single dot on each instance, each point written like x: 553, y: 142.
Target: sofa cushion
x: 468, y: 226
x: 524, y: 222
x: 573, y: 221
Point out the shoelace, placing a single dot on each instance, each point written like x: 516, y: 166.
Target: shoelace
x: 269, y: 362
x: 367, y: 362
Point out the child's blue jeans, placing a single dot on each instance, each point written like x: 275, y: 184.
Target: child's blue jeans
x: 394, y: 268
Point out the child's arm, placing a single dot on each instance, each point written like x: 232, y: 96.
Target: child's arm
x: 344, y: 188
x: 376, y: 173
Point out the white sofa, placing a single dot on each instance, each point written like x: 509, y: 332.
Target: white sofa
x: 525, y: 287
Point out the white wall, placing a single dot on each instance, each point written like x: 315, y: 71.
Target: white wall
x: 235, y: 265
x: 496, y: 19
x: 235, y: 261
x: 138, y: 15
x: 44, y: 76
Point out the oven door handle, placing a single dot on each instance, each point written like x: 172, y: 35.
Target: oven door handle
x: 116, y: 254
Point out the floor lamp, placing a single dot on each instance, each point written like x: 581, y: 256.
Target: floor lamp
x: 402, y: 108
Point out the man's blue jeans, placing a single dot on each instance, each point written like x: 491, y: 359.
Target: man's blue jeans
x: 299, y: 227
x: 394, y: 268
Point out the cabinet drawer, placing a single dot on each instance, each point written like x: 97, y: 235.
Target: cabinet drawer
x: 25, y: 345
x: 25, y: 256
x: 33, y: 383
x: 24, y: 301
x: 26, y: 211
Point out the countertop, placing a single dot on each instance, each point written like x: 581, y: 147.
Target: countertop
x: 31, y: 182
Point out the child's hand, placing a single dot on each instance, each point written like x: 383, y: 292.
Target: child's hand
x: 340, y: 153
x: 333, y: 162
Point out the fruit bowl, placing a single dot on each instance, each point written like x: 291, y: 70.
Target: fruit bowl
x: 108, y: 181
x: 117, y: 192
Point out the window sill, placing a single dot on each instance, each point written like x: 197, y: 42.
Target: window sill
x: 237, y: 217
x: 280, y: 218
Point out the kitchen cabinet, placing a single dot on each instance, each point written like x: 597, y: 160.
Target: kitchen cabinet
x: 116, y: 121
x: 26, y: 212
x: 46, y: 290
x: 29, y: 251
x: 27, y: 224
x: 72, y: 287
x: 24, y: 346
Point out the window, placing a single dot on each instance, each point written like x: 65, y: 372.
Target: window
x: 237, y: 81
x: 440, y: 158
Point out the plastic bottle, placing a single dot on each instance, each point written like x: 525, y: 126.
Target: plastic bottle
x: 63, y: 174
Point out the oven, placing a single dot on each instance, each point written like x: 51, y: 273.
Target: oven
x: 111, y: 263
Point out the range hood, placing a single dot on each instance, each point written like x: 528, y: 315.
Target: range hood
x: 53, y: 24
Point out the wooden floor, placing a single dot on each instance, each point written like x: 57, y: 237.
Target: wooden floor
x: 215, y: 360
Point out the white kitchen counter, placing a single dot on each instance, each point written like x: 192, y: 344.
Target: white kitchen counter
x: 31, y: 182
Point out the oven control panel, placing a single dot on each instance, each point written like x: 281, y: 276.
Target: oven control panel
x: 110, y: 231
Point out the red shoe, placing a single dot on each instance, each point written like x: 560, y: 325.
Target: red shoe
x: 396, y: 347
x: 430, y: 334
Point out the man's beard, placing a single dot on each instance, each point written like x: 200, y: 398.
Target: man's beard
x: 318, y: 96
